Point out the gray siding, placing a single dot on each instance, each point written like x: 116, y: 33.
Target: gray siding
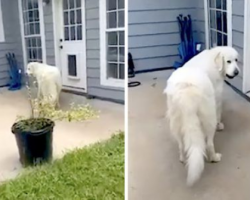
x: 49, y: 34
x: 12, y: 42
x: 154, y: 33
x: 93, y: 55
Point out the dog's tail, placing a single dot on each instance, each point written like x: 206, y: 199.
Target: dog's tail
x: 188, y: 106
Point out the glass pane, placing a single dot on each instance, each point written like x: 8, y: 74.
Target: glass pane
x: 78, y: 3
x: 37, y: 28
x: 112, y: 54
x: 224, y: 40
x: 120, y: 4
x: 35, y: 4
x: 121, y: 19
x: 71, y: 4
x: 224, y: 4
x: 218, y: 4
x: 26, y: 29
x: 72, y: 33
x: 30, y: 4
x: 72, y: 65
x: 31, y: 18
x: 112, y: 70
x: 24, y: 4
x: 219, y: 39
x: 79, y: 32
x: 26, y: 17
x: 111, y: 4
x: 121, y: 38
x: 66, y: 33
x: 121, y: 71
x: 112, y: 19
x: 121, y: 54
x: 218, y: 20
x: 72, y: 17
x: 35, y: 53
x: 213, y: 40
x: 212, y: 3
x: 33, y: 42
x: 39, y: 54
x: 212, y: 19
x: 112, y: 38
x: 65, y: 4
x: 39, y: 43
x: 32, y: 29
x: 66, y: 18
x: 224, y: 22
x: 79, y: 16
x: 30, y: 56
x: 36, y: 15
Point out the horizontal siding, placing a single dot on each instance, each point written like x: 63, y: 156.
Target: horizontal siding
x: 94, y: 87
x: 154, y: 32
x: 12, y: 42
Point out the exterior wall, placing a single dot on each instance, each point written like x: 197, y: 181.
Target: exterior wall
x: 49, y: 34
x: 93, y: 56
x: 13, y: 41
x: 154, y: 32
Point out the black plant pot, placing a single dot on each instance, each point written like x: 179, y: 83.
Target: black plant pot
x: 35, y: 143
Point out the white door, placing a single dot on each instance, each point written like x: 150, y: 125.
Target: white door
x: 72, y: 44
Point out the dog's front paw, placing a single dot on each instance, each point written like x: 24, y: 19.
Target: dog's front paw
x: 220, y: 126
x: 216, y: 157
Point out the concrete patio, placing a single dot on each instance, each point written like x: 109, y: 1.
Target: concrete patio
x: 67, y: 136
x: 155, y: 172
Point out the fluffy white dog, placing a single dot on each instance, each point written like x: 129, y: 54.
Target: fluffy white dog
x: 194, y: 95
x: 48, y: 80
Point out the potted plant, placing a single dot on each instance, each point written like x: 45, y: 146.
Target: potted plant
x: 34, y: 135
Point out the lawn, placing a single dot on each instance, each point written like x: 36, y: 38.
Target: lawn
x: 92, y: 173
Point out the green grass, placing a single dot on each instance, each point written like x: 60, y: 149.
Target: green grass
x: 92, y: 173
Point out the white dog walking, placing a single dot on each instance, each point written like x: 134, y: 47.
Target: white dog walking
x: 48, y: 80
x: 194, y: 95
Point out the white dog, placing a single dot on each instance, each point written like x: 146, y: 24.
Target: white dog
x: 48, y: 80
x: 194, y: 95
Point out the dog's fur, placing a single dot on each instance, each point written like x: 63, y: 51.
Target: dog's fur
x: 194, y: 95
x: 48, y: 79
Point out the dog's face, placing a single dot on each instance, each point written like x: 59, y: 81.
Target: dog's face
x: 227, y: 62
x: 30, y: 69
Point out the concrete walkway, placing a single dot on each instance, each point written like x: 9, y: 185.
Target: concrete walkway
x: 155, y: 172
x: 67, y: 136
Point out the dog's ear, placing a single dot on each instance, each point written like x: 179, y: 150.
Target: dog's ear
x: 219, y: 61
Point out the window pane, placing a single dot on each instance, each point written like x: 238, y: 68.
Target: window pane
x: 66, y: 33
x: 33, y: 42
x: 121, y: 54
x: 112, y: 19
x: 38, y: 42
x: 219, y: 39
x: 35, y: 4
x: 65, y: 4
x: 66, y: 18
x: 121, y: 38
x: 79, y: 16
x: 36, y: 15
x: 218, y: 20
x: 39, y: 54
x: 212, y: 19
x: 212, y: 3
x: 72, y: 33
x: 37, y: 28
x: 121, y: 19
x: 112, y: 70
x: 224, y: 22
x: 111, y: 5
x: 79, y: 32
x: 120, y: 4
x: 121, y: 71
x: 71, y: 4
x: 32, y: 29
x: 213, y: 39
x: 112, y: 54
x: 112, y: 38
x: 72, y: 65
x: 218, y: 4
x: 31, y: 18
x: 78, y: 3
x: 224, y: 4
x: 224, y: 40
x: 72, y: 17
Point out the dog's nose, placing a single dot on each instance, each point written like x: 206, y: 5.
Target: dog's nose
x: 236, y: 72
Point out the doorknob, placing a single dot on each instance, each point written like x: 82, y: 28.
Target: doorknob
x: 61, y: 40
x: 61, y: 47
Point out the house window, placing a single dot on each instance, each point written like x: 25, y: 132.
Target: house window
x: 112, y: 33
x: 32, y: 32
x: 219, y: 23
x: 2, y: 38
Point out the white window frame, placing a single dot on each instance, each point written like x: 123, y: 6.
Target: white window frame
x: 207, y: 21
x: 42, y: 32
x: 111, y: 82
x: 2, y: 37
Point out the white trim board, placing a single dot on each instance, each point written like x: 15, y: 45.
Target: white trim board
x: 246, y: 61
x: 111, y: 82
